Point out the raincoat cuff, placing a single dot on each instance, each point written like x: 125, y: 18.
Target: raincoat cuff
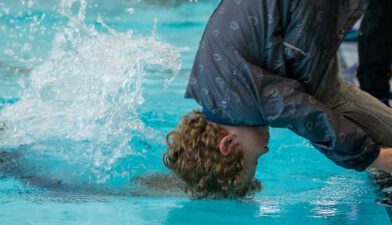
x: 211, y: 117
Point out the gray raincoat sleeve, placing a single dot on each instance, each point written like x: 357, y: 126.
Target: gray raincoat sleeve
x: 260, y: 61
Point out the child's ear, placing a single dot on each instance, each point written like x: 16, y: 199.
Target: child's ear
x: 226, y: 145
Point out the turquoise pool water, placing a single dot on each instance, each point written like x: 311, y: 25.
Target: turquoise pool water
x: 88, y: 90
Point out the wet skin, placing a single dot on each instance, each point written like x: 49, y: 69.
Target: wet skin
x: 252, y: 141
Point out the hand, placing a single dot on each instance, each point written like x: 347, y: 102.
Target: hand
x: 384, y: 160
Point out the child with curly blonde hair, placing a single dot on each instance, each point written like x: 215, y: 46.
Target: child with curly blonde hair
x: 272, y: 63
x: 210, y: 160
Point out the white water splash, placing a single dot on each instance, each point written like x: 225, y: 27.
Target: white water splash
x: 86, y: 94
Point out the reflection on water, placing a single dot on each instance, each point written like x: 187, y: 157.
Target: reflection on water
x: 325, y: 208
x: 252, y: 212
x: 93, y: 208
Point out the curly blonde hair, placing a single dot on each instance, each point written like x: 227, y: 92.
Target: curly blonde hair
x: 193, y: 155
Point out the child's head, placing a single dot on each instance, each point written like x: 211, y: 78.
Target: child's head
x: 215, y: 161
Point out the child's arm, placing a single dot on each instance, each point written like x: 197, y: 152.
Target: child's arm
x: 384, y: 160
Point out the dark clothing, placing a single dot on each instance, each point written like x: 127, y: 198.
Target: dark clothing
x: 375, y: 49
x: 260, y: 63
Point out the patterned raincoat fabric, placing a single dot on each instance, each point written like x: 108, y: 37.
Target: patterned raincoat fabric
x: 260, y: 62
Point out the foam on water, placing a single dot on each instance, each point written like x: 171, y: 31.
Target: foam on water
x: 80, y: 107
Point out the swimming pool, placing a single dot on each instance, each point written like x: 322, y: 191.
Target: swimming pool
x: 88, y: 90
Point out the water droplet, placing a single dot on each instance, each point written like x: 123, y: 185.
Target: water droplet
x: 92, y: 84
x: 224, y: 104
x: 271, y: 118
x: 200, y: 67
x: 235, y: 72
x: 130, y: 11
x: 234, y: 25
x: 192, y: 81
x: 274, y: 93
x: 30, y: 4
x: 253, y: 20
x: 217, y: 57
x: 220, y: 81
x: 215, y: 32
